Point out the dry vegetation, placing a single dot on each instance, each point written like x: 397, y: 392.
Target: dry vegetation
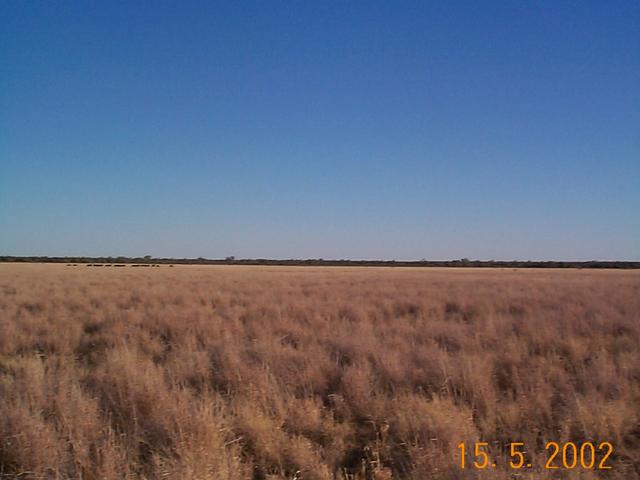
x: 311, y: 373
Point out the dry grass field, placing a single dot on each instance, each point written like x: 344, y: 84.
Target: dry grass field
x: 313, y: 373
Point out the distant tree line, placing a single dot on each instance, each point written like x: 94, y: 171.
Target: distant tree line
x: 322, y: 262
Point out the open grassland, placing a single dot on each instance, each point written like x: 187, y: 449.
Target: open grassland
x: 312, y: 373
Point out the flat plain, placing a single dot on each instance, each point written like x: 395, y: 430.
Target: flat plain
x: 227, y: 372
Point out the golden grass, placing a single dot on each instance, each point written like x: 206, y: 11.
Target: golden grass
x: 312, y: 373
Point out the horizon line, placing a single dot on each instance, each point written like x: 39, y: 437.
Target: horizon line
x: 232, y: 260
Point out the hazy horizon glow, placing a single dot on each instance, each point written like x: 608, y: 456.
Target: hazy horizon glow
x: 361, y: 130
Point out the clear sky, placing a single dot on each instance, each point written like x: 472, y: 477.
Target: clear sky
x: 303, y: 129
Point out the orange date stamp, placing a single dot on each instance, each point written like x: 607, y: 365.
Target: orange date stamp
x: 567, y: 455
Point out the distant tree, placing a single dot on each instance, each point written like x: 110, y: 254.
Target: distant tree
x: 230, y: 258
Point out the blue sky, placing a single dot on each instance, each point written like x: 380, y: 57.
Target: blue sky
x: 392, y: 130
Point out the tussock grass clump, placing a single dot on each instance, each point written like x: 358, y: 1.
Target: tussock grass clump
x: 312, y: 373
